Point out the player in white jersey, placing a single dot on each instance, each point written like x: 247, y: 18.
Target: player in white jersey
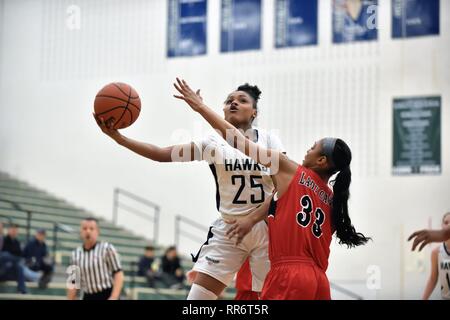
x: 242, y: 185
x: 440, y: 266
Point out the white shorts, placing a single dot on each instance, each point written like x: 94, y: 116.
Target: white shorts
x: 220, y: 258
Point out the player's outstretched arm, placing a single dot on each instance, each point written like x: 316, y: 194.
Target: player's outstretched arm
x: 424, y: 237
x: 178, y: 153
x: 241, y: 227
x: 233, y: 136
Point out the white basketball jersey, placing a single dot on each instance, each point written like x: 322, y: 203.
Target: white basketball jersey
x: 241, y: 183
x: 444, y: 271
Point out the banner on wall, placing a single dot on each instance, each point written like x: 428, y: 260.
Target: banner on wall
x: 417, y: 135
x: 295, y: 23
x: 240, y: 25
x: 187, y: 28
x: 415, y: 18
x: 355, y: 20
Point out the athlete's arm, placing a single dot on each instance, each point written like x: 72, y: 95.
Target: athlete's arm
x: 432, y: 280
x: 177, y: 153
x: 278, y: 161
x: 227, y: 130
x: 424, y: 237
x: 241, y: 227
x: 282, y: 167
x: 117, y: 286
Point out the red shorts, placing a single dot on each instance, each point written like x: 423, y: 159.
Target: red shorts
x: 246, y: 295
x: 295, y: 279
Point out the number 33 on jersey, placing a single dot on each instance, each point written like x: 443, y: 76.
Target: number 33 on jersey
x: 307, y: 220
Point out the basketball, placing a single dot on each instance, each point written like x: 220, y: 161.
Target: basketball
x: 119, y: 102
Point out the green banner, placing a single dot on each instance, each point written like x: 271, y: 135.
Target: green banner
x: 417, y: 136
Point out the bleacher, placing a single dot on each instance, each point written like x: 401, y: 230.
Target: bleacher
x: 20, y: 201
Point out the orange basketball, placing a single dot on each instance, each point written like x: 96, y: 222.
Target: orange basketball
x: 118, y: 101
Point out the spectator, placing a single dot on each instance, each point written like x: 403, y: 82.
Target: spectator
x: 172, y: 273
x: 1, y: 236
x: 10, y: 243
x: 147, y: 266
x: 37, y: 258
x: 12, y: 270
x: 10, y: 267
x: 100, y: 272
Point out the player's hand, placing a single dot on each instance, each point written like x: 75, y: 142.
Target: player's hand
x: 239, y: 229
x: 424, y: 237
x: 107, y: 127
x: 193, y: 99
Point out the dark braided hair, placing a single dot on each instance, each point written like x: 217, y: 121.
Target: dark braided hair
x: 345, y: 231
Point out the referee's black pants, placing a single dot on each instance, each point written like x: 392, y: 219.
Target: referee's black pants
x: 102, y: 295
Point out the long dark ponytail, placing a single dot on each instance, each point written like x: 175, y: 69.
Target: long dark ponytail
x: 345, y: 231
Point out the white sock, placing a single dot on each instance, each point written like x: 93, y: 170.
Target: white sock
x: 200, y: 293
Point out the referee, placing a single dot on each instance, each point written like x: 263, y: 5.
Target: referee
x: 97, y: 264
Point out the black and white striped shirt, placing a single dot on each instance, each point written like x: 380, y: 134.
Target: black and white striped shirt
x: 97, y: 266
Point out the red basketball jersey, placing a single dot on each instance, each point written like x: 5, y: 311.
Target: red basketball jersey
x: 300, y: 220
x: 244, y: 283
x: 244, y: 277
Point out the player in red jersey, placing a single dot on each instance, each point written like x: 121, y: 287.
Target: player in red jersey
x: 304, y: 212
x: 244, y: 283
